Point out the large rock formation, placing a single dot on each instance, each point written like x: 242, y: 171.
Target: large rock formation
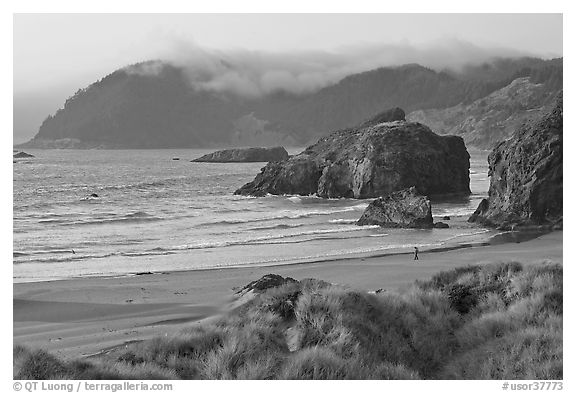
x: 251, y: 154
x: 382, y: 155
x: 400, y: 209
x: 526, y: 176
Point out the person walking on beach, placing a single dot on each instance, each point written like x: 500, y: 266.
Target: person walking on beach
x: 415, y: 253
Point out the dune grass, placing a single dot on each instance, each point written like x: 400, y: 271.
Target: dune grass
x: 498, y: 321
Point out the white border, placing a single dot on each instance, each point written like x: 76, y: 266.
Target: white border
x: 259, y: 6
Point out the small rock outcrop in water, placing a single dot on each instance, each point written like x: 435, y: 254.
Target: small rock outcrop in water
x: 252, y: 154
x: 400, y: 209
x: 526, y: 176
x: 382, y: 155
x: 23, y: 154
x: 441, y: 225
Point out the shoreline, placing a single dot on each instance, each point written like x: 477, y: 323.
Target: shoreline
x: 80, y: 317
x: 506, y: 237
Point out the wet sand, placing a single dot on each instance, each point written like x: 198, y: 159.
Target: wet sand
x: 82, y: 317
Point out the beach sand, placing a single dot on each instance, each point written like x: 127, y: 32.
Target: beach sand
x: 82, y: 317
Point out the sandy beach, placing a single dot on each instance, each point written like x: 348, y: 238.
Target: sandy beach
x: 82, y: 317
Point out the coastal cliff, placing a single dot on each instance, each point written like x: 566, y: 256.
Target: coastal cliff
x: 494, y: 118
x: 526, y: 176
x: 382, y: 155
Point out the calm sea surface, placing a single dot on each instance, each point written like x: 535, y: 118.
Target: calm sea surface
x: 157, y: 214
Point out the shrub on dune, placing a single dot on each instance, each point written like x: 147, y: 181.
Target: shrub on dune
x: 266, y: 366
x: 322, y: 363
x: 281, y: 300
x: 536, y: 278
x: 531, y: 353
x: 319, y: 363
x: 412, y: 329
x: 485, y: 328
x: 320, y: 320
x: 120, y: 370
x: 180, y: 352
x: 442, y: 279
x: 37, y: 364
x: 246, y: 345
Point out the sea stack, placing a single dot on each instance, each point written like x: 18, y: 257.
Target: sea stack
x: 400, y: 209
x: 251, y: 154
x: 526, y: 176
x: 382, y: 155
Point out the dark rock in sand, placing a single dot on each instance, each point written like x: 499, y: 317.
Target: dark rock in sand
x: 266, y: 282
x: 376, y: 158
x: 526, y: 176
x: 441, y: 225
x: 282, y: 303
x: 94, y: 196
x: 176, y: 159
x: 400, y: 209
x: 446, y: 218
x: 23, y: 155
x: 252, y: 154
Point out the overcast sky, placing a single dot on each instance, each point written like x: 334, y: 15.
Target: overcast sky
x: 55, y: 54
x: 52, y: 48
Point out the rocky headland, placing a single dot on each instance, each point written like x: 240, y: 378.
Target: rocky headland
x: 252, y: 154
x: 526, y: 176
x: 382, y: 155
x: 153, y: 105
x: 494, y: 118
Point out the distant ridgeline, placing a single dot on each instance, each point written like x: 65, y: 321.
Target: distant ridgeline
x: 161, y: 109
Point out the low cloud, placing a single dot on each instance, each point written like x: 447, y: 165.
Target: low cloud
x: 257, y: 73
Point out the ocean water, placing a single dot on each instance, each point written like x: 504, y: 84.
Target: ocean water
x: 154, y: 213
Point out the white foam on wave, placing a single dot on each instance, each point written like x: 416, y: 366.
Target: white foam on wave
x: 461, y: 235
x: 263, y: 239
x: 295, y: 199
x: 343, y: 221
x: 69, y: 258
x: 288, y: 215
